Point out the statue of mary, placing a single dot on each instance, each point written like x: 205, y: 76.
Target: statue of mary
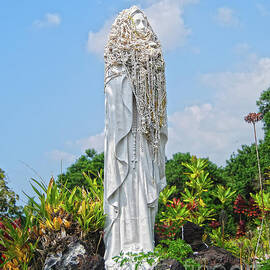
x: 135, y: 134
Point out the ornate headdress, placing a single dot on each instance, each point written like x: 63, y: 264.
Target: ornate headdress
x: 141, y: 56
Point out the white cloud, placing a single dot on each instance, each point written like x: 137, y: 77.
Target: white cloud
x: 79, y: 146
x: 218, y: 129
x: 167, y: 21
x: 95, y: 141
x: 238, y: 91
x: 262, y: 10
x: 50, y: 19
x: 58, y: 155
x: 196, y: 130
x: 97, y: 40
x: 166, y: 18
x: 226, y: 17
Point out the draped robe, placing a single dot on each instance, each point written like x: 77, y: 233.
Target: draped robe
x: 133, y: 178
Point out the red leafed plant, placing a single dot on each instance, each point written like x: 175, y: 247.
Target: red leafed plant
x: 2, y: 248
x: 241, y: 229
x: 169, y: 229
x: 175, y: 202
x: 253, y: 210
x: 166, y: 230
x: 170, y: 225
x: 240, y: 205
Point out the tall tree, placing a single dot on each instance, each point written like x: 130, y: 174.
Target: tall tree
x: 264, y: 107
x: 90, y: 163
x: 8, y: 199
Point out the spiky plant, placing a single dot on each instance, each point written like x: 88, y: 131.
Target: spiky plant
x: 66, y: 215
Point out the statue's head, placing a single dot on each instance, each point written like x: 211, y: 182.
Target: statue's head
x: 131, y: 33
x: 139, y: 20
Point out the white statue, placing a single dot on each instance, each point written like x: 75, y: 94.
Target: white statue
x: 135, y: 134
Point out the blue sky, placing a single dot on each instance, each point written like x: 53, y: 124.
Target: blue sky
x: 51, y: 78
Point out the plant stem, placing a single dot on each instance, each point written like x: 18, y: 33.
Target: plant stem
x: 241, y: 267
x: 261, y: 187
x: 100, y: 237
x: 260, y: 233
x: 259, y: 167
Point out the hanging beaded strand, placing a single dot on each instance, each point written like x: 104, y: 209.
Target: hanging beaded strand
x: 145, y: 69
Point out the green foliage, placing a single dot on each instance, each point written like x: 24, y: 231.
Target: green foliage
x: 176, y: 215
x: 191, y: 264
x: 166, y: 193
x: 244, y: 246
x: 199, y: 183
x: 177, y: 249
x: 190, y: 206
x: 56, y: 211
x: 55, y: 204
x: 18, y: 242
x: 223, y: 194
x: 179, y: 174
x: 8, y: 199
x: 90, y: 214
x: 264, y: 265
x: 241, y: 171
x: 169, y: 249
x: 217, y: 240
x: 241, y: 174
x: 139, y: 260
x: 175, y: 171
x: 198, y: 180
x: 90, y: 163
x: 258, y: 200
x: 174, y: 249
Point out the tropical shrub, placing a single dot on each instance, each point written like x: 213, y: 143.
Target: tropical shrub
x: 58, y: 216
x: 141, y: 260
x: 17, y: 243
x: 189, y: 207
x: 177, y: 249
x: 56, y: 204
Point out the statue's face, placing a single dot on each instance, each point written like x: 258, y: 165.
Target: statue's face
x: 140, y: 22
